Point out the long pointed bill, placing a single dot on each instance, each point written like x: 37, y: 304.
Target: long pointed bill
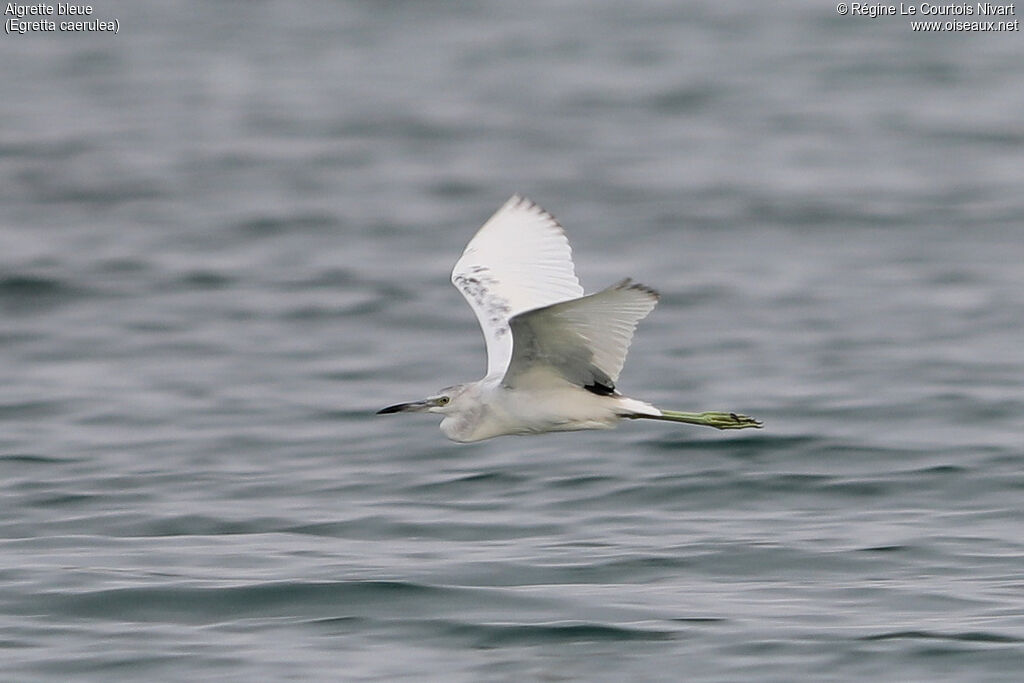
x: 413, y: 407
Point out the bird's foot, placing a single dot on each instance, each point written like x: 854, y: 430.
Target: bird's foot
x: 720, y: 420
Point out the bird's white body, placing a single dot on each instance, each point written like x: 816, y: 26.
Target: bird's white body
x: 553, y: 354
x: 485, y: 409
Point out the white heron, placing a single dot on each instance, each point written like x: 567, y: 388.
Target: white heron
x: 553, y: 354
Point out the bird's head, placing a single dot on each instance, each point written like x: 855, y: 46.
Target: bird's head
x: 444, y: 402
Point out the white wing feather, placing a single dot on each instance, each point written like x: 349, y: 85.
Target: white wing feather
x: 518, y: 261
x: 584, y: 341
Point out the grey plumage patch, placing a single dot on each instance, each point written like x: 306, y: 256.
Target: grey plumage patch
x: 475, y: 287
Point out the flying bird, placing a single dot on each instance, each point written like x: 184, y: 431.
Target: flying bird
x: 553, y: 354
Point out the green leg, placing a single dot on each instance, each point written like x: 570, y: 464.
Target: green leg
x: 718, y: 420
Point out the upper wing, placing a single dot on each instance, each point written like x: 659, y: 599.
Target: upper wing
x: 519, y: 260
x: 584, y: 341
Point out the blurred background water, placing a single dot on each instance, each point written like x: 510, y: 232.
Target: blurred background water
x: 225, y: 241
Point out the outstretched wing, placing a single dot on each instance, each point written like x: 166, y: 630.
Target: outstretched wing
x: 584, y: 341
x: 519, y: 260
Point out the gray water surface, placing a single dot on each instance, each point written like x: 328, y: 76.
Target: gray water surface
x: 225, y: 242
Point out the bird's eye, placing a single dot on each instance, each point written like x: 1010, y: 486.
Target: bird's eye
x: 443, y: 401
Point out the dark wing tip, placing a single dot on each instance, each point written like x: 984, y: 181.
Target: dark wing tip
x: 521, y: 201
x: 628, y: 283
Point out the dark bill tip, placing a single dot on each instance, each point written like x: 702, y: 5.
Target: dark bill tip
x: 397, y: 408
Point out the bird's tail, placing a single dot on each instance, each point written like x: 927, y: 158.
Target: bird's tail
x: 718, y: 420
